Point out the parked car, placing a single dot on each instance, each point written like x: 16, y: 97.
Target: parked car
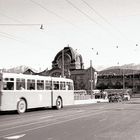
x: 115, y: 98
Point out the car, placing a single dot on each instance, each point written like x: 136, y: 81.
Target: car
x: 126, y: 96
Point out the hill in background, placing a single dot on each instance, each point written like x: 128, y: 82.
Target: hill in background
x: 114, y: 70
x: 119, y: 70
x: 18, y: 69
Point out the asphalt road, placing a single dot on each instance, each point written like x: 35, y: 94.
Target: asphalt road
x: 102, y: 121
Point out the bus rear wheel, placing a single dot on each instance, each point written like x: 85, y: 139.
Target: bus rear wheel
x: 21, y: 106
x: 59, y: 103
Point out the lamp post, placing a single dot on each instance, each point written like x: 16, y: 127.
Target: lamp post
x: 91, y: 79
x: 62, y: 74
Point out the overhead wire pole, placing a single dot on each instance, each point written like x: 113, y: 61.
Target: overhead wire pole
x: 92, y: 76
x: 91, y: 79
x: 62, y: 74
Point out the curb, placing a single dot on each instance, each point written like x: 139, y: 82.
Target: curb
x: 90, y: 101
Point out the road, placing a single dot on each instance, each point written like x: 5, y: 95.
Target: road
x: 101, y: 121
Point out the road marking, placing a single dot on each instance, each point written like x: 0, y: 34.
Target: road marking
x: 102, y: 120
x: 102, y: 107
x: 45, y: 117
x: 80, y: 111
x: 54, y: 123
x: 14, y: 137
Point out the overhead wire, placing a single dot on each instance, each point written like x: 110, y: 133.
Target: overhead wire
x: 4, y: 34
x: 95, y: 11
x: 52, y: 12
x: 83, y: 13
x: 99, y: 15
x: 92, y: 19
x: 104, y: 19
x: 5, y: 24
x: 11, y: 18
x: 12, y: 37
x: 18, y: 23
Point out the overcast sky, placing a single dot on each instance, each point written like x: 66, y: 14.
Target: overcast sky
x: 109, y: 27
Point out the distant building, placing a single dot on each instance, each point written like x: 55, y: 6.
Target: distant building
x: 119, y: 79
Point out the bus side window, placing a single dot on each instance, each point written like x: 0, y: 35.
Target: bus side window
x: 67, y: 87
x: 9, y: 84
x: 62, y: 86
x: 20, y: 84
x: 40, y: 85
x: 30, y: 84
x: 71, y: 86
x: 56, y: 85
x: 48, y: 85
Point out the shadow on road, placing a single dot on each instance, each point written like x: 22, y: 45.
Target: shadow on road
x: 29, y: 110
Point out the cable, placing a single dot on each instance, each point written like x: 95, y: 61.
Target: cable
x: 11, y: 18
x: 93, y: 9
x: 104, y: 19
x: 20, y: 24
x: 91, y: 19
x: 49, y: 11
x: 10, y: 36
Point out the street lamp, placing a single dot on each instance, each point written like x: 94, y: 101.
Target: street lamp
x: 41, y: 27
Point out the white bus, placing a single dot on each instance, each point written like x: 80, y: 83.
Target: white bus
x: 21, y: 92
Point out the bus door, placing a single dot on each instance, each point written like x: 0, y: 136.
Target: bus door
x: 55, y: 92
x: 47, y: 94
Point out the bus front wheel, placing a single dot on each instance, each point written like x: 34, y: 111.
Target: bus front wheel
x: 21, y: 106
x: 59, y: 103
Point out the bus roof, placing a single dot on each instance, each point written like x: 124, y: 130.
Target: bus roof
x: 39, y: 77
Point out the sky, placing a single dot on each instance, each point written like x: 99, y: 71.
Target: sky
x: 109, y: 27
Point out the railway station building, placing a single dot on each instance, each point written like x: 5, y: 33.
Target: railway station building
x: 69, y: 62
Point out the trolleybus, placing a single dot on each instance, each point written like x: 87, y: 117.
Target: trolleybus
x: 21, y: 92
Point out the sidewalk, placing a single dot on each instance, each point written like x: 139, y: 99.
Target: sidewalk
x: 134, y: 101
x: 90, y: 101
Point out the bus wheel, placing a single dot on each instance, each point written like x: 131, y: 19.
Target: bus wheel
x: 21, y: 106
x: 58, y: 103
